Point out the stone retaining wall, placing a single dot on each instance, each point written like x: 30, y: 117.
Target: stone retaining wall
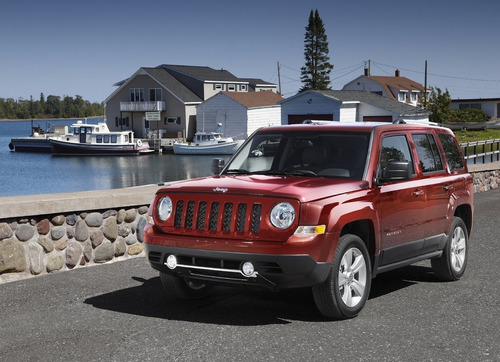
x: 486, y: 176
x: 46, y: 244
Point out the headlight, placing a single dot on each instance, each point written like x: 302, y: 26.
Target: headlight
x: 164, y: 208
x: 282, y: 215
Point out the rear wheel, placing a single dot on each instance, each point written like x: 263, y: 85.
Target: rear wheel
x: 184, y: 288
x: 451, y: 265
x: 344, y: 293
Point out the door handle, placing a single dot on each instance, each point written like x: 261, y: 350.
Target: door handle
x: 447, y: 187
x: 418, y: 193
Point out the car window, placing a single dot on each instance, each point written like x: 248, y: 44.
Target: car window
x: 428, y: 153
x: 394, y: 148
x: 453, y: 157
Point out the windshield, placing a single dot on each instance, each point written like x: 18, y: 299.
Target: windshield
x: 326, y: 154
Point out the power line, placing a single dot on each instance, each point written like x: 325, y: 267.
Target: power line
x: 438, y: 75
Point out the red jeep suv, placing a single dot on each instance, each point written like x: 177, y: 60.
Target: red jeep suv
x: 325, y: 206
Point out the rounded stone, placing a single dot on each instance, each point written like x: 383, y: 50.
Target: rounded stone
x: 141, y: 224
x: 43, y: 227
x: 110, y: 229
x: 120, y: 247
x: 12, y: 256
x: 120, y: 216
x: 46, y: 243
x: 94, y: 219
x: 35, y: 254
x: 57, y: 232
x: 109, y: 213
x: 96, y: 237
x: 143, y: 210
x: 81, y: 231
x: 25, y: 232
x: 73, y: 254
x: 87, y: 251
x: 123, y: 230
x: 61, y: 244
x: 58, y: 220
x: 104, y: 252
x: 135, y: 249
x: 70, y: 231
x: 71, y: 219
x: 130, y: 215
x: 55, y: 261
x: 5, y: 231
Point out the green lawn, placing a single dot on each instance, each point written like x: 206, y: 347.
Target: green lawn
x: 464, y: 136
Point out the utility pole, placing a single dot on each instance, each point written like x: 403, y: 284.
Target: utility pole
x: 425, y: 85
x: 279, y: 79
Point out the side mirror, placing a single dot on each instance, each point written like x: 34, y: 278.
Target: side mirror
x: 217, y: 166
x: 396, y: 171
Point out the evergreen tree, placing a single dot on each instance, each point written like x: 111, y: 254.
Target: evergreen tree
x: 315, y: 75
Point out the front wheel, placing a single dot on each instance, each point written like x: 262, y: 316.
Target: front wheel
x: 183, y: 288
x: 451, y: 265
x: 344, y: 293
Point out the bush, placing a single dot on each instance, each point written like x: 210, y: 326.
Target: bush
x: 469, y: 115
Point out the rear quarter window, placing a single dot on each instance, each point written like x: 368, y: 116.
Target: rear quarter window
x: 452, y: 152
x: 428, y: 152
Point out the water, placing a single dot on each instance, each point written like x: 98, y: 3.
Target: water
x: 24, y: 173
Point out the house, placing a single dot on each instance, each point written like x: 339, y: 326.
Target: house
x: 239, y: 113
x: 347, y: 106
x: 162, y: 100
x: 397, y: 88
x: 490, y: 106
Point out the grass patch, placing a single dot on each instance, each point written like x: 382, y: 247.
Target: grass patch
x: 464, y: 136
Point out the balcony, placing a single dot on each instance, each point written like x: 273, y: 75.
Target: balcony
x: 142, y: 106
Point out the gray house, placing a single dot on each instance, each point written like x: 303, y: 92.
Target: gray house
x: 162, y: 100
x: 347, y: 106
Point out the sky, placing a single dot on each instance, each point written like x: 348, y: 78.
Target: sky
x: 69, y: 48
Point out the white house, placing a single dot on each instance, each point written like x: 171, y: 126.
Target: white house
x: 347, y: 106
x: 490, y: 106
x: 239, y: 113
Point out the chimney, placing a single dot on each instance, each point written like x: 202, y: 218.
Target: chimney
x: 367, y: 72
x: 396, y: 73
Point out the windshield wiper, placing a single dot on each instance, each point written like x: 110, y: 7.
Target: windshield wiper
x: 290, y: 172
x: 237, y: 171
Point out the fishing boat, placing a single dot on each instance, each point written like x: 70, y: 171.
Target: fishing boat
x: 207, y: 143
x: 97, y: 139
x: 39, y: 139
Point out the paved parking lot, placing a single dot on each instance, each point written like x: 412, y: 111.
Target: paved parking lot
x: 118, y: 312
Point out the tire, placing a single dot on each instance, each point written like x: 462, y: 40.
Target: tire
x: 451, y: 265
x: 345, y: 291
x: 184, y: 288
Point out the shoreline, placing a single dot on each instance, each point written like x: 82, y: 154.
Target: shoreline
x: 48, y: 119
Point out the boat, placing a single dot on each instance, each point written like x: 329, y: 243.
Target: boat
x: 97, y: 139
x: 39, y: 139
x: 207, y: 143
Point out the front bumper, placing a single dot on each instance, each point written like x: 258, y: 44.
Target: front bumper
x: 272, y: 271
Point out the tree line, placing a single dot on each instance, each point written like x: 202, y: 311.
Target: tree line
x: 49, y: 107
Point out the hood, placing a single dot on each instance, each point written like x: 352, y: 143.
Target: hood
x: 304, y: 189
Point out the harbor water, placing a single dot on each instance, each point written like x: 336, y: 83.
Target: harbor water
x: 23, y: 173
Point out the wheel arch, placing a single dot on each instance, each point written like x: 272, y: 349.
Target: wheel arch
x: 365, y: 230
x: 464, y: 212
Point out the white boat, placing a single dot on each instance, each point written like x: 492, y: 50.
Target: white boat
x: 207, y: 143
x: 97, y: 139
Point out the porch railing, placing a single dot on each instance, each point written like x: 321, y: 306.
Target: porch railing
x: 142, y: 106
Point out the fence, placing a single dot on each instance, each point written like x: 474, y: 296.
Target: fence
x: 481, y: 151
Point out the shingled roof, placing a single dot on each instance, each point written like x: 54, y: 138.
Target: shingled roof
x: 255, y: 99
x: 201, y: 72
x: 398, y: 83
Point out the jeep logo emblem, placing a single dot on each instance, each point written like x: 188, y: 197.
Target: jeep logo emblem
x: 220, y: 189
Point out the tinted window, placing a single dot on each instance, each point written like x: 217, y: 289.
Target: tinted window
x: 428, y: 153
x: 394, y: 148
x: 451, y: 151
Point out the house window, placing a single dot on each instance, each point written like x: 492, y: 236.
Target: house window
x: 402, y: 96
x: 218, y: 86
x: 137, y: 94
x: 243, y: 87
x: 414, y: 96
x: 155, y: 94
x: 469, y: 105
x: 377, y: 92
x: 171, y: 120
x: 231, y: 87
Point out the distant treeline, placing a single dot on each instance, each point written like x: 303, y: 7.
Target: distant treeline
x: 50, y: 107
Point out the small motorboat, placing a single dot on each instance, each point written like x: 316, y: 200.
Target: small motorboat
x: 207, y: 143
x: 97, y: 139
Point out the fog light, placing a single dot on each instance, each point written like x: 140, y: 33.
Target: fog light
x: 247, y: 269
x: 171, y: 262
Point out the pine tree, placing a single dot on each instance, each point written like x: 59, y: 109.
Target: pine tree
x: 315, y: 75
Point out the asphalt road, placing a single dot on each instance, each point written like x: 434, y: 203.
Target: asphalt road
x: 118, y: 312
